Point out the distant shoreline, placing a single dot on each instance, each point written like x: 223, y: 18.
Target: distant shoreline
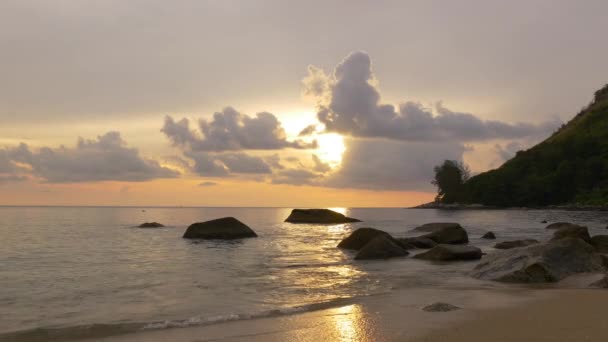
x: 460, y: 206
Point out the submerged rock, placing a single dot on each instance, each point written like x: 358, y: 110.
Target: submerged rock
x: 600, y: 243
x: 150, y: 225
x: 543, y: 221
x: 560, y: 225
x: 440, y: 307
x: 573, y: 231
x: 360, y: 237
x: 318, y: 216
x: 550, y: 262
x: 489, y: 236
x: 381, y: 247
x: 447, y: 233
x: 515, y: 243
x: 418, y: 242
x: 226, y: 228
x: 450, y: 253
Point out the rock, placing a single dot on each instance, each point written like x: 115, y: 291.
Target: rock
x: 560, y: 225
x: 381, y: 247
x: 418, y: 242
x: 360, y: 237
x: 150, y: 225
x: 318, y: 216
x: 440, y: 307
x: 515, y: 244
x: 435, y: 226
x: 602, y: 283
x: 549, y: 262
x: 450, y: 252
x: 573, y: 231
x: 447, y: 233
x: 543, y: 221
x: 600, y: 243
x: 489, y: 236
x: 227, y: 228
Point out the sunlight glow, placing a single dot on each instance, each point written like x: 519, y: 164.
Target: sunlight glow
x: 331, y: 148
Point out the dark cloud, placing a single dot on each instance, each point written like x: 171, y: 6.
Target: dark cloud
x: 230, y: 130
x: 308, y: 130
x: 106, y: 158
x: 350, y: 104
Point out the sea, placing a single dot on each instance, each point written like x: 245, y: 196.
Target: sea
x: 71, y: 273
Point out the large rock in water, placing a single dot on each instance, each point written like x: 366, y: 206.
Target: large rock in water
x: 489, y: 236
x: 150, y: 225
x: 435, y: 226
x: 446, y: 233
x: 318, y: 216
x: 381, y: 247
x: 226, y: 228
x: 362, y: 236
x: 550, y: 262
x: 515, y: 244
x: 450, y: 253
x: 573, y: 231
x: 600, y: 243
x: 417, y: 242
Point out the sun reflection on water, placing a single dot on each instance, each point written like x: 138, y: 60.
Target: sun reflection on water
x: 348, y: 322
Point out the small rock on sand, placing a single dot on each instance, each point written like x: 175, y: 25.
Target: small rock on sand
x: 440, y: 307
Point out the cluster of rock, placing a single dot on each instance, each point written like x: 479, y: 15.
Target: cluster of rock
x: 571, y: 250
x: 444, y: 241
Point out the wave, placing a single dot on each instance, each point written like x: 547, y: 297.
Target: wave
x: 88, y: 331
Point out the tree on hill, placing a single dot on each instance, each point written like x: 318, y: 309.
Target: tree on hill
x: 450, y: 178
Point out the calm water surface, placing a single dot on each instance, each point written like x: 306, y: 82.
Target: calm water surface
x: 65, y: 272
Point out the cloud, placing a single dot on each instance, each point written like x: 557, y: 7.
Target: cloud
x: 507, y: 151
x: 308, y: 130
x: 349, y: 103
x: 230, y: 130
x: 391, y: 165
x: 102, y: 159
x: 296, y: 177
x: 207, y: 184
x: 227, y: 164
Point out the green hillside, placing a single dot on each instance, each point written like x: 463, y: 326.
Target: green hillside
x: 570, y: 167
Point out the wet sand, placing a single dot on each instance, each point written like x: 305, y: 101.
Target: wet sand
x: 486, y: 315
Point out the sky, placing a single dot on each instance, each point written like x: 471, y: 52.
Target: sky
x: 280, y: 103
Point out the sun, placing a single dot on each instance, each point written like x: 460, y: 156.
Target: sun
x: 331, y: 148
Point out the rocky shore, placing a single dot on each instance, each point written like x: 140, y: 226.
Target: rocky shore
x: 473, y: 206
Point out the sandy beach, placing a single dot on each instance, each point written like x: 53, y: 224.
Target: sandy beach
x: 486, y: 315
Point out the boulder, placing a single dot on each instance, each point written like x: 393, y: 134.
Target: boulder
x: 450, y: 253
x: 381, y: 247
x: 560, y: 225
x: 489, y: 236
x: 226, y: 228
x: 440, y: 307
x: 600, y: 243
x: 362, y: 236
x: 549, y: 262
x: 435, y: 226
x: 543, y: 221
x: 515, y: 244
x: 447, y: 233
x: 602, y: 283
x: 324, y: 216
x: 417, y: 242
x: 150, y: 225
x: 573, y: 231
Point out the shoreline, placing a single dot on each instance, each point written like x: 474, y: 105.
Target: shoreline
x: 393, y: 317
x: 458, y: 206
